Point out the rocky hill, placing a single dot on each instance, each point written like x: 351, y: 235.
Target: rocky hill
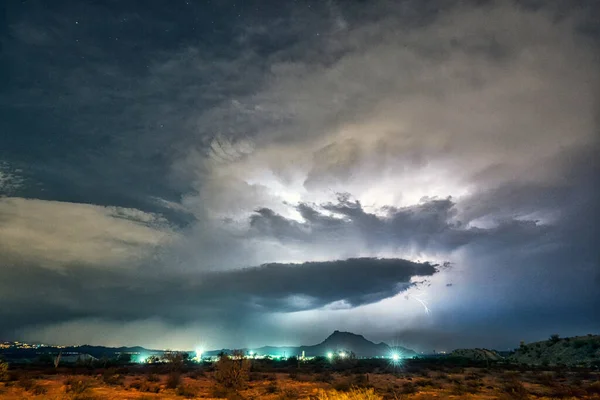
x: 578, y: 350
x: 356, y: 343
x: 477, y: 354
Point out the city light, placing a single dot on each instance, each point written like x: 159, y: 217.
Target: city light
x: 342, y: 354
x: 330, y: 355
x: 396, y: 358
x: 199, y: 352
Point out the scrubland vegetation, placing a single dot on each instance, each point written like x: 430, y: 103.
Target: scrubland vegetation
x: 236, y: 377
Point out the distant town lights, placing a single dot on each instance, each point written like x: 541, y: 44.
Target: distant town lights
x: 199, y: 352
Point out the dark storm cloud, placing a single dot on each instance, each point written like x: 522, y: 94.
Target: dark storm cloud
x: 431, y: 225
x: 131, y: 295
x: 112, y: 89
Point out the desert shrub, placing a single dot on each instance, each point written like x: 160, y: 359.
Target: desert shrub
x: 473, y: 376
x: 3, y: 371
x: 567, y: 391
x: 232, y: 372
x: 355, y: 394
x: 593, y: 388
x: 136, y: 384
x: 173, y: 380
x: 409, y: 388
x: 26, y: 383
x: 424, y: 382
x: 515, y: 390
x: 150, y: 387
x: 197, y: 374
x: 270, y: 377
x: 473, y: 386
x: 289, y: 394
x: 324, y: 376
x: 342, y: 385
x: 459, y: 388
x: 255, y: 376
x: 145, y: 386
x: 272, y: 387
x: 442, y: 376
x: 360, y: 380
x: 584, y: 375
x: 84, y: 396
x: 111, y: 377
x: 221, y: 392
x: 38, y: 390
x: 424, y: 373
x: 79, y: 388
x: 78, y: 385
x: 153, y: 378
x: 187, y: 391
x: 175, y: 359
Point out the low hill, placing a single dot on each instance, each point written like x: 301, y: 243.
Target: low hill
x: 33, y: 354
x: 578, y: 350
x: 477, y: 354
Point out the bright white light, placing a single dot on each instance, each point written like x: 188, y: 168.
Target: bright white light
x: 330, y: 355
x: 251, y: 353
x: 199, y: 352
x: 395, y: 357
x: 342, y: 354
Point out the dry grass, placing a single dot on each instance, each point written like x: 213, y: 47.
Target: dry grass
x: 467, y: 383
x: 353, y: 394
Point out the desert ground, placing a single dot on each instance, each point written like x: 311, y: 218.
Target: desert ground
x: 411, y: 380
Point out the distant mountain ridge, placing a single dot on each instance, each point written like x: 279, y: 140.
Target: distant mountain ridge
x: 337, y: 341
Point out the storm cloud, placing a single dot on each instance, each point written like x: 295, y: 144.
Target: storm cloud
x: 190, y: 169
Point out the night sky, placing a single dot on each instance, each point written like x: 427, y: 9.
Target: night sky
x: 244, y: 173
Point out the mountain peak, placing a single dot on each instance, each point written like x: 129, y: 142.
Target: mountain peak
x: 346, y: 339
x: 337, y: 334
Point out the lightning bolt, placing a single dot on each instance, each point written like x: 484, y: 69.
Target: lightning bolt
x: 424, y: 304
x: 421, y: 301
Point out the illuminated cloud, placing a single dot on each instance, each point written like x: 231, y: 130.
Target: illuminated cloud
x: 58, y: 235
